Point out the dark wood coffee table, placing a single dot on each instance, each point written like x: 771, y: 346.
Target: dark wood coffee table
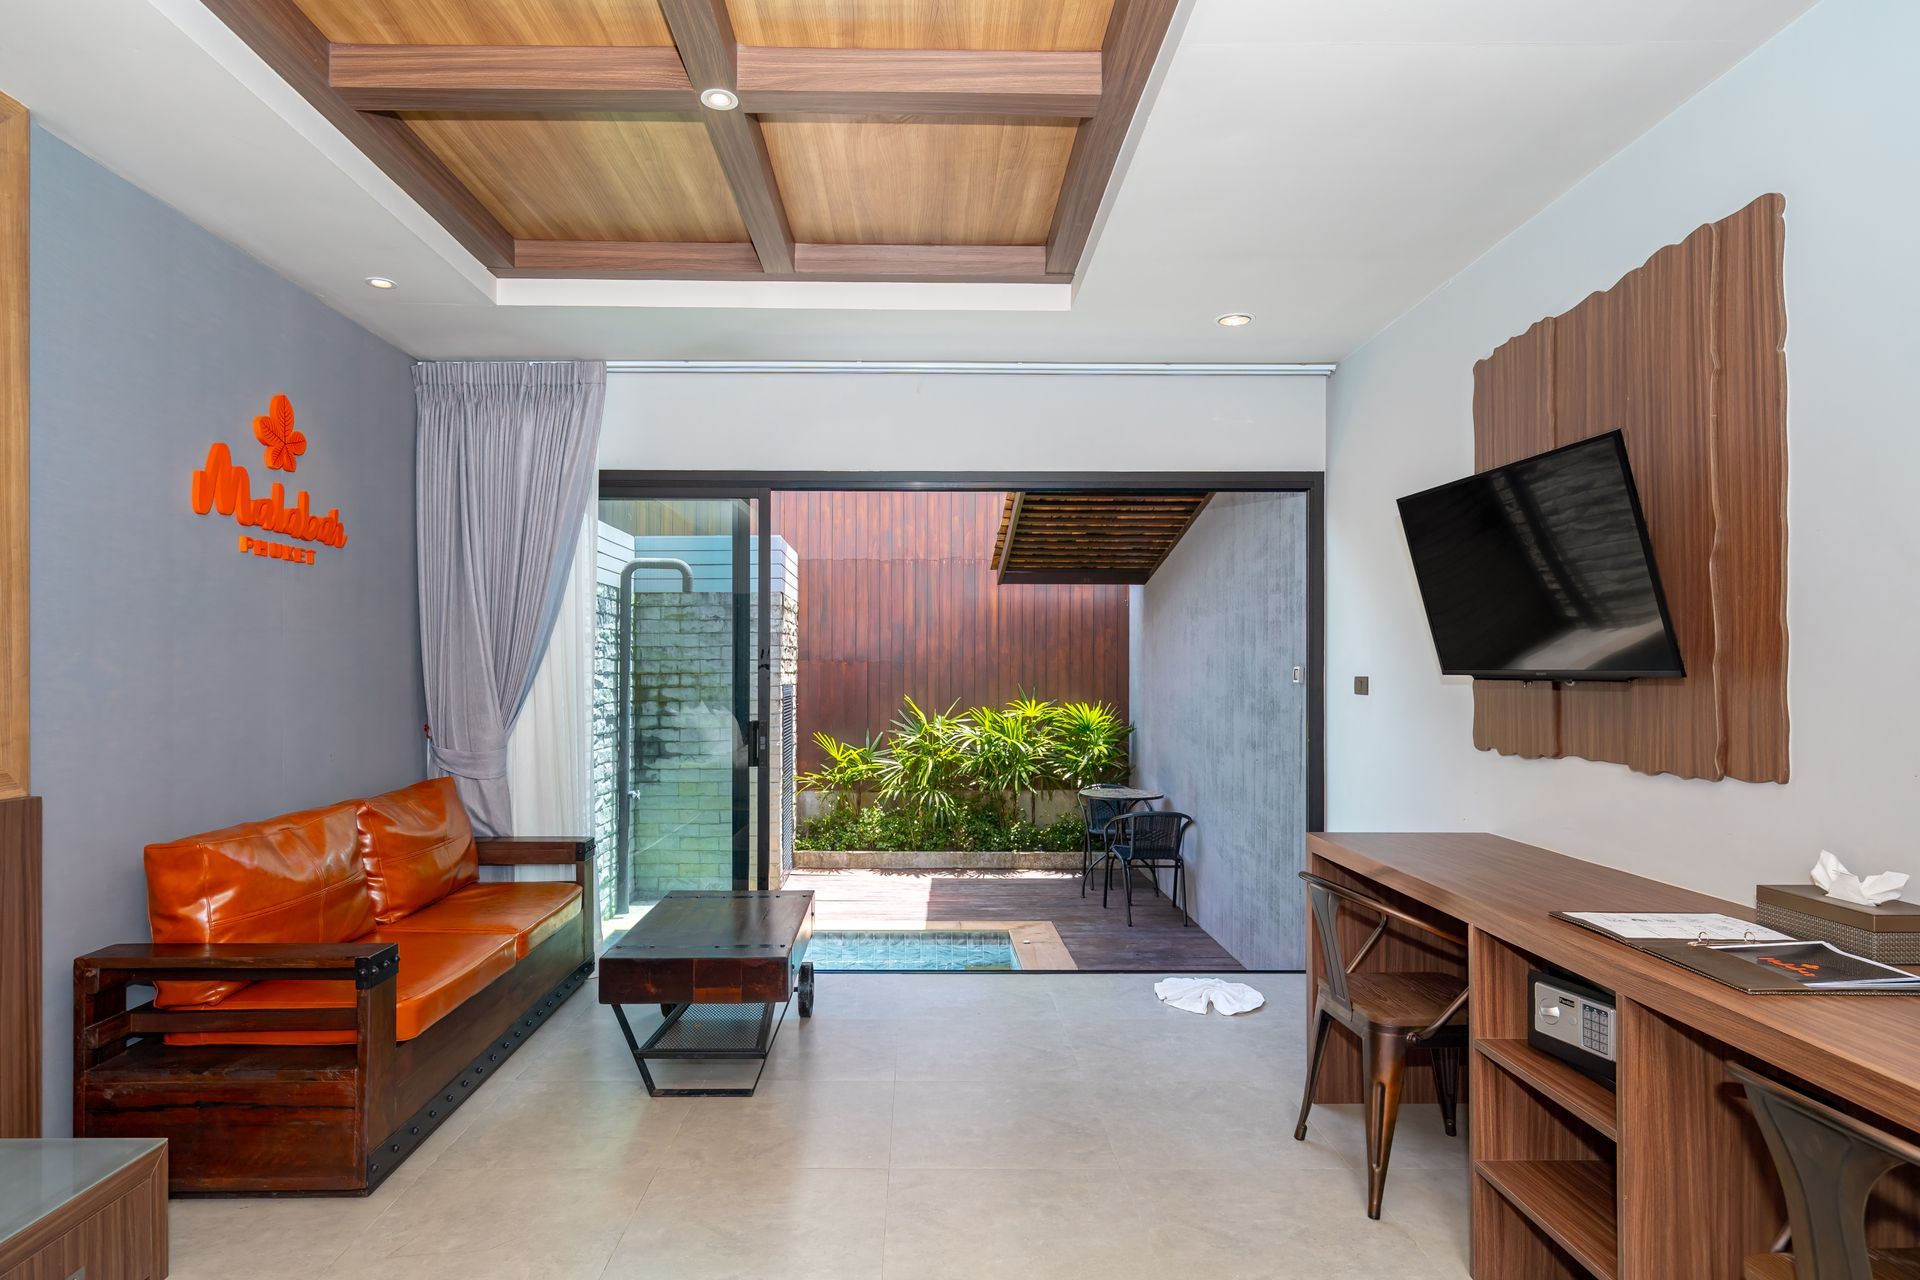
x: 717, y: 964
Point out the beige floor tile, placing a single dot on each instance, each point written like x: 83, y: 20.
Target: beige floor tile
x: 1305, y: 1223
x: 251, y: 1237
x: 835, y: 1049
x: 563, y: 1218
x: 1420, y: 1141
x: 978, y: 1224
x: 1221, y: 1126
x: 958, y: 1049
x: 735, y: 1224
x: 1183, y: 1052
x: 999, y: 1125
x: 585, y: 1125
x: 789, y: 1124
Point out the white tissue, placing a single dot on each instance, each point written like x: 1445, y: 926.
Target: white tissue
x: 1195, y: 994
x: 1868, y: 891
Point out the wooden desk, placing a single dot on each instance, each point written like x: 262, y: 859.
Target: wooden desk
x: 1664, y: 1178
x: 94, y: 1208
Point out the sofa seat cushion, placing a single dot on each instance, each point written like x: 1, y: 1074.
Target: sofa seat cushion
x: 417, y: 846
x: 438, y: 972
x: 295, y: 878
x: 528, y: 913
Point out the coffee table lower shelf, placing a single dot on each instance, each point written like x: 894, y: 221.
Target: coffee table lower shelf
x: 713, y: 1033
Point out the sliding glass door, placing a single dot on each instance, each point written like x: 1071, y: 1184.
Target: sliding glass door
x: 681, y: 682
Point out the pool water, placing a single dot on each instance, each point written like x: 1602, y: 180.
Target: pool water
x: 912, y: 950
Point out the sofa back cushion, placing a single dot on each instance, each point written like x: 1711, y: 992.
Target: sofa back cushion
x: 295, y: 878
x: 417, y: 846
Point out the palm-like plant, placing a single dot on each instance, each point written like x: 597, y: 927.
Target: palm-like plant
x: 1007, y: 751
x: 1088, y: 744
x: 924, y: 765
x: 850, y: 769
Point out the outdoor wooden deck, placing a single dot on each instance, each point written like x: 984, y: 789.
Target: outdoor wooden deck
x: 1097, y: 939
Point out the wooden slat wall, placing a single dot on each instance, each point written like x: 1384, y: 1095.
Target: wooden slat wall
x: 897, y: 597
x: 1685, y: 355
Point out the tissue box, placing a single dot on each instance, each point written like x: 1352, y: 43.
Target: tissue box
x: 1889, y: 933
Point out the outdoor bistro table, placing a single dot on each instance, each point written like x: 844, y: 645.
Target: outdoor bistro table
x: 1128, y: 796
x: 716, y: 964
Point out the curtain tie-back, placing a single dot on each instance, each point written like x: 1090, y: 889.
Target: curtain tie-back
x: 471, y: 764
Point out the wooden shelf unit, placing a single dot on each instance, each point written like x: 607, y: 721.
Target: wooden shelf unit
x: 1665, y: 1177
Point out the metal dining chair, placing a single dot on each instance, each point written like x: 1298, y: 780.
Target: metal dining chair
x: 1095, y: 814
x: 1828, y: 1164
x: 1153, y: 839
x: 1389, y: 1013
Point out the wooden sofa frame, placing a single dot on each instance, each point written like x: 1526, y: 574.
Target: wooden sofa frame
x: 279, y: 1119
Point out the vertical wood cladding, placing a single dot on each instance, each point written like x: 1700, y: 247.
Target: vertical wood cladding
x: 898, y: 598
x: 1686, y: 356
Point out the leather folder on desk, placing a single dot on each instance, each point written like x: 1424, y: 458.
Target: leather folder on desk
x: 1763, y: 962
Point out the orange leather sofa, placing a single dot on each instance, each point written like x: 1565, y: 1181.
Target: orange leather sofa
x: 329, y: 985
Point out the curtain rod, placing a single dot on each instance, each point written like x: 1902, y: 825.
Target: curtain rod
x: 972, y: 366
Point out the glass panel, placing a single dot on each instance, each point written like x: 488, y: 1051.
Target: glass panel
x: 674, y: 700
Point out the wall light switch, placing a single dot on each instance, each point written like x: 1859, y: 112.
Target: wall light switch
x: 1360, y: 685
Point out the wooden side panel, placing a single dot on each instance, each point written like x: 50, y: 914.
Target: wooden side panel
x: 898, y: 598
x: 13, y: 448
x: 1513, y: 419
x: 20, y: 968
x: 1638, y: 358
x: 917, y: 24
x: 1685, y: 356
x: 1750, y: 491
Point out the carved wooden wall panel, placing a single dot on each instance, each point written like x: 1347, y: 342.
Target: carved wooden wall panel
x: 1685, y: 356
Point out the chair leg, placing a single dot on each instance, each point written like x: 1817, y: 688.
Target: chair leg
x: 1180, y: 891
x: 1127, y: 875
x: 1446, y: 1082
x: 1386, y: 1071
x: 1322, y: 1031
x: 1106, y: 883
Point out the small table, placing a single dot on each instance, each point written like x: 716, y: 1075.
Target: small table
x: 716, y: 963
x: 55, y: 1196
x: 1119, y: 794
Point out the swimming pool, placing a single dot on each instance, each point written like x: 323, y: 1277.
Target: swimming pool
x: 912, y: 950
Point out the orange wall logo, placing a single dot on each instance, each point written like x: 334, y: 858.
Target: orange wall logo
x: 223, y: 487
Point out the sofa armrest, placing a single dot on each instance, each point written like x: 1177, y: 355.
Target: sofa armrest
x: 367, y: 964
x: 513, y: 851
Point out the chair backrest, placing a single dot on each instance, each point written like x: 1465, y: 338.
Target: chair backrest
x: 1828, y: 1163
x: 1325, y: 897
x: 1098, y: 813
x: 1151, y: 831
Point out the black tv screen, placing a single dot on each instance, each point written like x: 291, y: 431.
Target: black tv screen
x: 1541, y: 570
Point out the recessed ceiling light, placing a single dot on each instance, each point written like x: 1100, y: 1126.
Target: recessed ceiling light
x: 380, y: 282
x: 721, y: 99
x: 1234, y: 319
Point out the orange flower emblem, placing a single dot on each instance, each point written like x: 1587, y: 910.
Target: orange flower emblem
x: 274, y: 429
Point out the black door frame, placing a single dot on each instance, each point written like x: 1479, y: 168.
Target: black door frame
x: 650, y: 484
x: 750, y: 857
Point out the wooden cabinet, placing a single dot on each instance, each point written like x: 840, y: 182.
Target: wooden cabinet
x: 111, y: 1227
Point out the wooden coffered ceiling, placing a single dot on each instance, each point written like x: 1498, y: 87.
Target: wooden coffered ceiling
x: 959, y: 140
x: 1090, y: 537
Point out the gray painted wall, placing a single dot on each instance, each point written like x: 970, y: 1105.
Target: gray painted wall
x: 178, y: 685
x: 1220, y: 727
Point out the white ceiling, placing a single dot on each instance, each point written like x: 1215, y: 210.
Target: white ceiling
x: 1323, y: 164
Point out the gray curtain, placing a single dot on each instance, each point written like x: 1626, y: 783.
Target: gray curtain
x: 507, y: 463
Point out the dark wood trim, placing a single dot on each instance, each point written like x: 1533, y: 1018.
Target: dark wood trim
x: 508, y: 78
x: 16, y: 144
x: 630, y: 260
x: 523, y: 851
x: 116, y: 1227
x: 919, y: 81
x: 930, y: 263
x: 1134, y: 35
x: 1015, y: 500
x: 287, y: 40
x: 703, y: 31
x: 20, y: 943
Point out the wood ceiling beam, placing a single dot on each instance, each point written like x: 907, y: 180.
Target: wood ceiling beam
x: 703, y: 31
x: 919, y: 82
x: 1134, y: 35
x: 1008, y: 533
x: 510, y: 78
x: 286, y: 39
x: 1069, y: 578
x: 635, y: 260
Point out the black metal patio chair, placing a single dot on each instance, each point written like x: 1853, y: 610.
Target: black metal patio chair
x: 1095, y: 814
x: 1152, y: 839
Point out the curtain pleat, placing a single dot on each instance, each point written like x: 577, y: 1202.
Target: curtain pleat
x: 507, y: 459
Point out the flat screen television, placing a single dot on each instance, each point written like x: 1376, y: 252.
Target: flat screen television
x: 1542, y: 570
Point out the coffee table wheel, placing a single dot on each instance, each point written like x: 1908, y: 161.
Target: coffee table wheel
x: 666, y: 1010
x: 806, y: 989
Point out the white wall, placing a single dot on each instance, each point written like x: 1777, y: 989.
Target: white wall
x: 962, y: 422
x: 1826, y: 113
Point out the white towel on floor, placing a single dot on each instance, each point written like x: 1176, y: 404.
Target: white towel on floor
x: 1195, y: 994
